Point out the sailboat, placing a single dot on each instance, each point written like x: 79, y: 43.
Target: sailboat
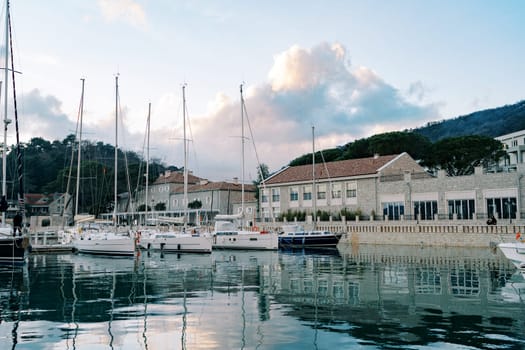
x: 229, y: 232
x: 295, y: 236
x: 14, y: 241
x: 178, y: 241
x: 101, y: 239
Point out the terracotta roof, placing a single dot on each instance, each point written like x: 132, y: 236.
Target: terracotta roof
x: 342, y: 168
x: 40, y: 198
x: 214, y: 186
x: 176, y: 177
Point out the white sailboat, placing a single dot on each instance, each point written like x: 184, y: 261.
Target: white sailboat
x: 13, y: 245
x: 101, y: 239
x: 178, y: 241
x: 229, y: 232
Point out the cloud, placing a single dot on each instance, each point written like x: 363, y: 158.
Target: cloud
x: 42, y: 116
x: 307, y: 87
x: 125, y: 10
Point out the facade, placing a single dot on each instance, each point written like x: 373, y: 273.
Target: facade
x: 214, y: 197
x: 348, y: 184
x: 160, y: 190
x: 514, y: 144
x: 394, y: 188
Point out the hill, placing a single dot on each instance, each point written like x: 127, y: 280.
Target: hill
x: 490, y: 122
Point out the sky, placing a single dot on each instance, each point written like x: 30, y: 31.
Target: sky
x: 349, y: 69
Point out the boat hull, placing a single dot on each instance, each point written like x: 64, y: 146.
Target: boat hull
x: 246, y: 241
x: 111, y: 246
x: 310, y: 241
x: 515, y: 252
x: 183, y: 244
x: 13, y: 250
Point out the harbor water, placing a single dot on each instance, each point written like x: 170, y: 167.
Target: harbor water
x: 353, y: 297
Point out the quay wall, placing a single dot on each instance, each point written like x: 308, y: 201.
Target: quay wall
x: 442, y: 234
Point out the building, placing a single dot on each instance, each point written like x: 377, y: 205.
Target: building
x: 514, y: 144
x: 208, y: 198
x: 394, y: 187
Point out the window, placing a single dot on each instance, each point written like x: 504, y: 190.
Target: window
x: 393, y: 210
x: 426, y: 209
x: 504, y: 208
x: 294, y: 194
x: 336, y: 190
x: 321, y: 191
x: 307, y: 193
x: 264, y: 196
x: 351, y: 189
x: 514, y: 143
x: 463, y: 208
x: 276, y: 196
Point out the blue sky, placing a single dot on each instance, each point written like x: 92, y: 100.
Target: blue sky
x: 350, y: 68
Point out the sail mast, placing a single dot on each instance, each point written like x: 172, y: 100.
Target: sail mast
x: 6, y: 120
x: 147, y: 160
x: 79, y: 147
x: 20, y: 163
x: 116, y: 154
x: 314, y: 192
x: 242, y: 155
x: 185, y: 198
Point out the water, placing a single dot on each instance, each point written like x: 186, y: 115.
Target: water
x: 366, y: 297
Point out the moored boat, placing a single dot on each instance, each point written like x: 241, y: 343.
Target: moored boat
x: 227, y: 235
x: 170, y: 241
x: 515, y: 252
x: 295, y: 236
x: 13, y: 249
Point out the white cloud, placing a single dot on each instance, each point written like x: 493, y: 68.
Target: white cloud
x: 306, y: 87
x: 126, y: 10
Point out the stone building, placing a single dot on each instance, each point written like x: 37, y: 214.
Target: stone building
x: 393, y: 187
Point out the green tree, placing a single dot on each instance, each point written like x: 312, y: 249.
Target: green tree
x: 460, y: 155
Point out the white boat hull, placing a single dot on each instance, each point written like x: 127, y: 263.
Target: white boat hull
x: 515, y: 252
x: 245, y: 240
x: 182, y: 243
x: 116, y: 246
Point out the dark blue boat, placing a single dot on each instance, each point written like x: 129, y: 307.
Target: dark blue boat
x: 294, y: 236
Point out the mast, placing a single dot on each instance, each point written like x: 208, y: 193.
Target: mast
x: 185, y: 198
x: 314, y: 192
x: 116, y: 155
x: 147, y: 160
x: 79, y: 148
x: 6, y: 120
x: 20, y: 163
x: 242, y: 155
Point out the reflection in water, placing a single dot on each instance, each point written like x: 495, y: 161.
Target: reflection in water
x: 366, y: 296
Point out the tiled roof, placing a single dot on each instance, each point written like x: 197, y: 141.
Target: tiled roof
x: 176, y: 177
x: 214, y: 186
x: 40, y: 198
x: 331, y: 170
